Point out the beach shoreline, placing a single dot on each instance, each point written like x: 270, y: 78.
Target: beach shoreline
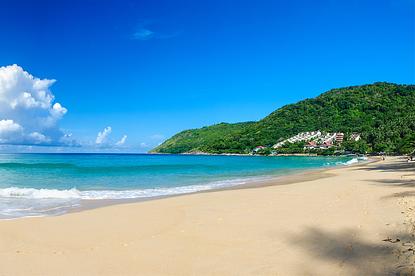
x: 293, y: 177
x: 72, y: 187
x: 358, y: 221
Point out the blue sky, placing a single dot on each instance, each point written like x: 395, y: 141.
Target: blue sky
x: 149, y: 69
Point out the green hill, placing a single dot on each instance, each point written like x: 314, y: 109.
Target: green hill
x: 205, y: 139
x: 384, y: 113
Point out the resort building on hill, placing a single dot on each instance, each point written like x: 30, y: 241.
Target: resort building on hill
x: 327, y: 138
x: 317, y: 139
x: 312, y: 140
x: 302, y: 136
x: 339, y: 137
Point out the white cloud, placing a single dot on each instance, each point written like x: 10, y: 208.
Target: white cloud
x: 9, y: 131
x: 143, y: 34
x: 121, y: 141
x: 104, y: 140
x: 148, y: 30
x: 28, y: 113
x: 38, y: 138
x: 9, y: 126
x: 147, y: 34
x: 143, y: 145
x: 103, y: 135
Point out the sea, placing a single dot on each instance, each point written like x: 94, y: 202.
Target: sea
x: 54, y: 184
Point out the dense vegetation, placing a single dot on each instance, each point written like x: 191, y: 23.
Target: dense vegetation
x: 205, y: 139
x: 383, y: 113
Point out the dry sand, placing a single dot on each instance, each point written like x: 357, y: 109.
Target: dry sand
x: 333, y: 225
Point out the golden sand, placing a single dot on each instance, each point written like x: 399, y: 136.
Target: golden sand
x: 333, y: 225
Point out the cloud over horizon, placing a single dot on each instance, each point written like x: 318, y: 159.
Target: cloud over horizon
x: 29, y: 114
x: 103, y: 140
x: 102, y: 136
x: 121, y: 141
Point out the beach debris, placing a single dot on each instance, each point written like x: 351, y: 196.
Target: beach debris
x: 390, y: 240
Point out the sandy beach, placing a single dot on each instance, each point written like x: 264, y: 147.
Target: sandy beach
x: 355, y: 220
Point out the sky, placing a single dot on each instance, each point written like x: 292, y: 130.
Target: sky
x: 123, y: 76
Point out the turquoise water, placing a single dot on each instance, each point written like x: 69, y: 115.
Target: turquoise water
x: 50, y: 184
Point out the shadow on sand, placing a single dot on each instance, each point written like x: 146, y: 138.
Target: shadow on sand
x: 395, y: 255
x: 400, y: 166
x: 354, y: 255
x: 407, y: 178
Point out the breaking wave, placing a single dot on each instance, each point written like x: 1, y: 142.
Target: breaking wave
x: 31, y: 193
x: 29, y: 202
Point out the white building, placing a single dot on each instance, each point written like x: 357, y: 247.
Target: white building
x: 324, y: 139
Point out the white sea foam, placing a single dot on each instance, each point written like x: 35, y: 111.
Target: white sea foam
x: 28, y: 202
x: 156, y: 192
x: 31, y: 193
x: 14, y: 192
x: 349, y: 162
x: 352, y: 161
